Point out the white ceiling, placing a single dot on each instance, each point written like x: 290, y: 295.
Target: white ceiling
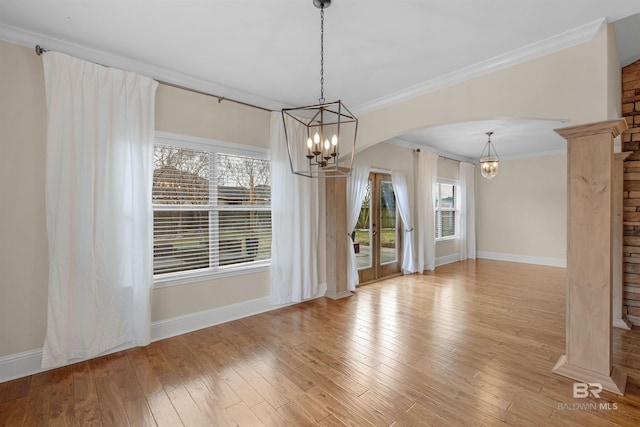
x: 628, y: 35
x: 267, y: 52
x: 511, y: 139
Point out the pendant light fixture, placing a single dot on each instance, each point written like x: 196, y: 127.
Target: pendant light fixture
x: 489, y: 161
x: 320, y: 138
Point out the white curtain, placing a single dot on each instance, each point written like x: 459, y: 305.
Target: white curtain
x: 401, y: 190
x: 294, y: 219
x: 427, y: 177
x: 467, y: 178
x: 99, y: 171
x: 356, y: 188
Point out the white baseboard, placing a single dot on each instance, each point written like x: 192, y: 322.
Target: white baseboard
x: 526, y: 259
x: 634, y: 320
x: 622, y: 323
x: 338, y: 295
x: 447, y: 259
x: 20, y: 364
x: 28, y: 363
x: 179, y: 325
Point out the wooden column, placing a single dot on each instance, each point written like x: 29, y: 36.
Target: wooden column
x: 336, y: 233
x: 590, y: 162
x: 619, y: 319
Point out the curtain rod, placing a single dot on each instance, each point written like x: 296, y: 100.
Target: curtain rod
x: 417, y: 150
x: 40, y: 51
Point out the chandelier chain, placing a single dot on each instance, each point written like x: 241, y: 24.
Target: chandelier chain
x: 322, y: 54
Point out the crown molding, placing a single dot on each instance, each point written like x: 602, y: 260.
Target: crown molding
x: 535, y: 154
x: 425, y: 147
x: 552, y: 44
x: 31, y: 39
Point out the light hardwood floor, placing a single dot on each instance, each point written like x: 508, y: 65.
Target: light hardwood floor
x: 471, y: 344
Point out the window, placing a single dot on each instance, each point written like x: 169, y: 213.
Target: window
x: 211, y: 210
x: 446, y: 210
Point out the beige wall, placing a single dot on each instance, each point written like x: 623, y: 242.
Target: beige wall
x: 189, y: 113
x: 387, y: 156
x: 178, y: 300
x: 23, y: 243
x: 522, y: 211
x: 614, y: 76
x: 448, y: 169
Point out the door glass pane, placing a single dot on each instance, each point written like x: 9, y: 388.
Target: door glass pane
x: 388, y: 224
x: 362, y: 233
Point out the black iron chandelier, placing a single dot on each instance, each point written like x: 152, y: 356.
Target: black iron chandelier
x: 320, y: 138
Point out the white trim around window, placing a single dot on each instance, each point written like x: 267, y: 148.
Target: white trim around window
x: 451, y: 188
x: 188, y: 141
x: 198, y: 195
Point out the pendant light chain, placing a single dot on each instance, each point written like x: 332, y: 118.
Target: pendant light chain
x: 321, y: 100
x: 490, y: 145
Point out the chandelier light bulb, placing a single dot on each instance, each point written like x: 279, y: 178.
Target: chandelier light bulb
x: 334, y: 140
x: 316, y: 138
x: 489, y: 168
x: 309, y: 147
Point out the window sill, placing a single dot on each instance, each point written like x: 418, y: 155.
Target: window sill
x: 445, y: 239
x: 175, y: 279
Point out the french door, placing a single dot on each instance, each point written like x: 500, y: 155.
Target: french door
x: 377, y: 240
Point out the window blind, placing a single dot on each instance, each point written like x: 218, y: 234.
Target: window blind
x: 212, y: 210
x: 446, y: 210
